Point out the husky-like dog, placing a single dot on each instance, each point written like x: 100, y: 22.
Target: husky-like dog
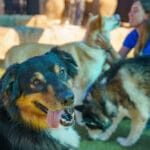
x: 124, y: 91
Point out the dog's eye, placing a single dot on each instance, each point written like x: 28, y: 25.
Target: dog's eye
x: 37, y: 84
x: 62, y: 73
x: 36, y: 81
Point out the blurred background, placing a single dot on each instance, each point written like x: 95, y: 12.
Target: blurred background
x: 76, y: 11
x: 57, y: 21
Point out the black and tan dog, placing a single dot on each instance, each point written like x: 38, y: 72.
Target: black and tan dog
x: 124, y: 91
x: 37, y: 103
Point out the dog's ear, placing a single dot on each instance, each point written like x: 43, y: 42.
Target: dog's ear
x: 68, y: 60
x: 82, y: 107
x: 9, y: 88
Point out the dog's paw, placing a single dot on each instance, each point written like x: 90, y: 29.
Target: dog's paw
x: 94, y: 136
x: 104, y: 137
x: 124, y: 141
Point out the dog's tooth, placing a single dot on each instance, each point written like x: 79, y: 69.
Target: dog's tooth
x: 67, y: 118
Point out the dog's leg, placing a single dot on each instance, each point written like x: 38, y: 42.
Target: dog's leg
x: 106, y: 135
x: 137, y: 127
x: 94, y: 134
x: 79, y: 96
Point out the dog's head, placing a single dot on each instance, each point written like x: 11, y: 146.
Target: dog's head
x: 99, y: 24
x: 38, y: 91
x: 110, y: 23
x: 92, y: 115
x: 101, y: 105
x: 108, y: 90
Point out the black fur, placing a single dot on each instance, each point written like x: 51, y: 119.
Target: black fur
x: 91, y: 117
x: 16, y: 136
x: 142, y: 61
x: 15, y: 133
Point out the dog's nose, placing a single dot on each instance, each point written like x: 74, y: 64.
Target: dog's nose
x: 66, y: 98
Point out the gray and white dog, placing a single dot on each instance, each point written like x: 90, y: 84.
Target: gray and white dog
x: 123, y: 91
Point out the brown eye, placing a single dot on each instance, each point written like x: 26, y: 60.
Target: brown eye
x: 62, y: 73
x: 37, y: 84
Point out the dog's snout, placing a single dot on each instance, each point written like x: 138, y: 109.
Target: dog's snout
x: 66, y: 98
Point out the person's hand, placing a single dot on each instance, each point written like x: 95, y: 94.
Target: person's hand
x: 103, y: 42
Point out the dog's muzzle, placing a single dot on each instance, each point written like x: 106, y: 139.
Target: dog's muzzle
x: 66, y: 98
x: 64, y: 117
x: 68, y: 117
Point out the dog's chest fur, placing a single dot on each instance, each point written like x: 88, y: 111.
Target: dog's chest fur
x: 15, y: 136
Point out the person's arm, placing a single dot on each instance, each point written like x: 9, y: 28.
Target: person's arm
x: 124, y: 51
x: 129, y: 42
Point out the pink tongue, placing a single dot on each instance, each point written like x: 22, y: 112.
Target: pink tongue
x: 53, y: 118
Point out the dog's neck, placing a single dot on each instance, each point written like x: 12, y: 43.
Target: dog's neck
x: 90, y: 38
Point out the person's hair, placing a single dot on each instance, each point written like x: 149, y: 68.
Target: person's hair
x: 146, y: 34
x: 145, y: 4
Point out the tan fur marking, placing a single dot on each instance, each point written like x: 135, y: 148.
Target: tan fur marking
x: 33, y: 115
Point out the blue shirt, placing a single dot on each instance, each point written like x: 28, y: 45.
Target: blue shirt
x: 131, y: 40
